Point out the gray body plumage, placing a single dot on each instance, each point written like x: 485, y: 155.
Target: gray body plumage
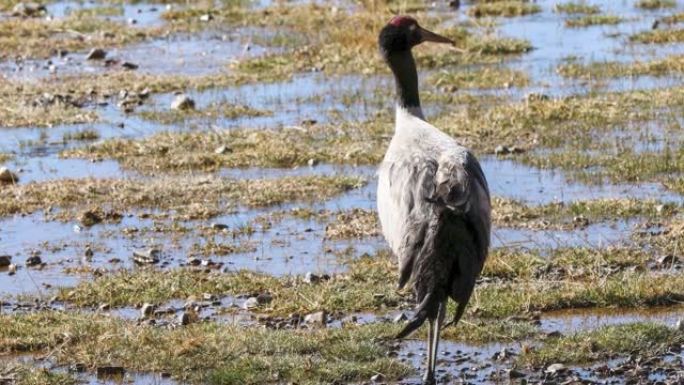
x: 434, y: 208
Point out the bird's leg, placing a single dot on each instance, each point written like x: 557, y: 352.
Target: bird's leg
x: 433, y: 344
x: 429, y: 378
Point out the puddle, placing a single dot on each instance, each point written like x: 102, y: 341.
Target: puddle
x: 570, y: 321
x: 140, y: 15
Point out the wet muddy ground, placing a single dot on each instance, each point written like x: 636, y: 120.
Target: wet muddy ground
x: 198, y: 205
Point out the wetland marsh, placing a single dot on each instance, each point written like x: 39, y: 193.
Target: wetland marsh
x: 195, y: 202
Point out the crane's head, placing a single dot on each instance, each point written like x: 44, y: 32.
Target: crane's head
x: 403, y: 33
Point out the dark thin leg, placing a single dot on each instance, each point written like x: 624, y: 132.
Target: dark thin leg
x: 433, y: 345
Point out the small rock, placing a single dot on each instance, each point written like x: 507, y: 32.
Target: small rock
x: 111, y: 371
x: 206, y: 17
x: 219, y: 226
x: 222, y: 150
x: 502, y: 150
x: 377, y: 378
x: 184, y: 319
x: 148, y: 257
x: 183, y: 103
x: 12, y: 269
x: 250, y: 303
x: 89, y: 218
x: 312, y: 162
x: 311, y: 278
x: 34, y: 261
x: 667, y: 259
x: 28, y: 10
x: 555, y: 368
x: 5, y: 260
x: 515, y: 374
x: 7, y: 176
x: 401, y: 317
x: 147, y: 310
x: 317, y: 318
x: 96, y: 54
x: 129, y: 65
x: 264, y: 298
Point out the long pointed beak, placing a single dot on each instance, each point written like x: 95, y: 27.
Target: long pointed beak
x: 426, y: 35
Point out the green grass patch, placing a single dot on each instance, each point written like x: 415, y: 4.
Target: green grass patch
x: 487, y: 77
x: 659, y: 67
x: 656, y: 4
x: 590, y: 20
x: 213, y: 111
x: 503, y: 9
x: 658, y: 36
x: 573, y: 7
x: 206, y: 352
x: 186, y: 197
x: 647, y: 339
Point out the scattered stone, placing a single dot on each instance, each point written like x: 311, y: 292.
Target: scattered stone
x: 264, y: 298
x: 147, y: 310
x: 222, y: 150
x: 7, y: 176
x: 401, y: 317
x: 250, y: 303
x: 88, y: 253
x: 512, y: 374
x: 184, y: 319
x: 505, y: 150
x: 555, y: 368
x: 129, y: 65
x: 317, y: 318
x: 111, y: 371
x: 28, y: 10
x: 96, y: 54
x: 89, y: 218
x: 34, y: 261
x: 183, y: 103
x: 5, y: 260
x: 377, y: 378
x: 219, y: 226
x: 311, y: 278
x: 148, y: 257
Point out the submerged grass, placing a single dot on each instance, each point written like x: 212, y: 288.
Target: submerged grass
x: 205, y: 353
x: 187, y: 197
x: 25, y: 374
x: 648, y: 339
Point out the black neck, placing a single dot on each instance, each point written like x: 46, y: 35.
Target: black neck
x: 406, y: 77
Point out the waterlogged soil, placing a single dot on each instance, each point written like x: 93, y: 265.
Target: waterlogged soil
x: 302, y: 239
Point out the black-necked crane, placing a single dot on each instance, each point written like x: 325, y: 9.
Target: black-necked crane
x: 433, y: 198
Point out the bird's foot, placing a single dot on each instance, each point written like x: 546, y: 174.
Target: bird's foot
x: 429, y: 380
